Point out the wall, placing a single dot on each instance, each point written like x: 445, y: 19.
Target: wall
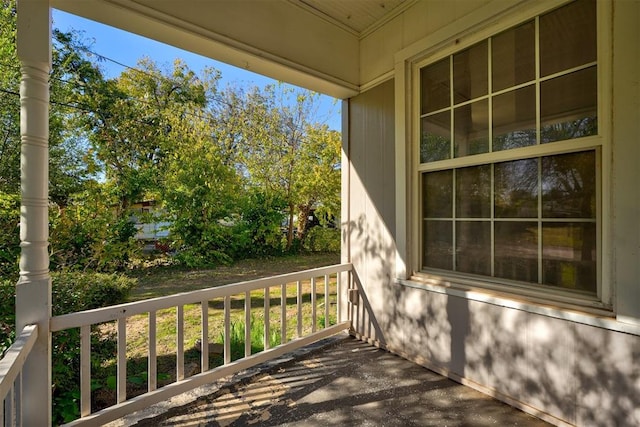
x: 370, y: 228
x: 565, y: 366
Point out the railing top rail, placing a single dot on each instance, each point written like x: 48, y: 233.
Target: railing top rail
x: 106, y: 314
x: 11, y: 364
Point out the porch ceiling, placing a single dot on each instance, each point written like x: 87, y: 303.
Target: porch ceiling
x: 310, y: 43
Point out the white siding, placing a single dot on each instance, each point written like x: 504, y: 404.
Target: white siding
x: 567, y: 367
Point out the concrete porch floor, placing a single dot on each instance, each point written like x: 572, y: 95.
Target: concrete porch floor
x: 343, y: 382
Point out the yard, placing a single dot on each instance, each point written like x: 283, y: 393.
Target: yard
x: 162, y: 281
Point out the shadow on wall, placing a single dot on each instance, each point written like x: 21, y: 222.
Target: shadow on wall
x: 434, y: 328
x: 581, y: 374
x: 373, y: 259
x: 577, y: 373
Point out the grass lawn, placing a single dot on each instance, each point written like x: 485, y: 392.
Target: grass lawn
x: 162, y: 281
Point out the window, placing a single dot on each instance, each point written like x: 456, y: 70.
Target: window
x: 509, y: 155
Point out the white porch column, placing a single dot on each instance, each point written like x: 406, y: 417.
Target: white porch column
x: 33, y: 292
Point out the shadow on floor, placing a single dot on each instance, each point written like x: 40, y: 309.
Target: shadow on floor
x: 348, y: 383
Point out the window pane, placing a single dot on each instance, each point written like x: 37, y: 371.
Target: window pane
x: 435, y: 143
x: 471, y: 129
x: 470, y: 73
x: 568, y: 37
x: 513, y: 57
x: 437, y: 194
x: 473, y: 192
x: 516, y: 189
x: 438, y: 245
x: 516, y: 251
x: 569, y: 185
x: 569, y: 255
x: 568, y: 106
x: 473, y: 247
x: 436, y: 89
x: 514, y: 119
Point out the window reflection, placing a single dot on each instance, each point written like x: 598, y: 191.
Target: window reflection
x: 438, y: 244
x: 569, y: 186
x: 569, y: 106
x: 568, y: 37
x: 514, y: 119
x: 471, y: 128
x: 513, y: 57
x: 470, y: 73
x: 516, y: 251
x: 437, y: 194
x: 516, y: 189
x: 435, y: 141
x: 436, y: 89
x: 473, y: 192
x: 473, y: 247
x: 569, y: 255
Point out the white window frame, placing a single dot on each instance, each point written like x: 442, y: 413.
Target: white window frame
x: 474, y: 28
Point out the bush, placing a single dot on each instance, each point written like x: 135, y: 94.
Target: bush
x: 9, y: 235
x: 7, y: 314
x: 88, y: 234
x: 74, y: 291
x: 322, y: 239
x: 71, y: 292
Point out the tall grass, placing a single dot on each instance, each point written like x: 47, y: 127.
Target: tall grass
x: 237, y: 337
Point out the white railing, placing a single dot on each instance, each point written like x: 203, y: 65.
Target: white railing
x: 325, y: 288
x: 11, y: 376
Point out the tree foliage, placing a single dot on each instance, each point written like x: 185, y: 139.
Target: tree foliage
x: 235, y: 171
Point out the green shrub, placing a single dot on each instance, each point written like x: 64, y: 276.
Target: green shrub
x: 7, y: 314
x: 9, y: 235
x: 322, y: 239
x: 88, y: 234
x: 75, y: 291
x: 71, y: 292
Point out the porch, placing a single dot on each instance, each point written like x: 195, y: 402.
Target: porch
x: 310, y: 369
x: 567, y: 357
x: 337, y: 381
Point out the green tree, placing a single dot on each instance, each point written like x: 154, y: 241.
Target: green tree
x: 130, y: 125
x: 289, y: 156
x: 70, y: 71
x: 319, y: 171
x: 201, y: 191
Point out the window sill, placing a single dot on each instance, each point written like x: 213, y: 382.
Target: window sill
x: 584, y: 313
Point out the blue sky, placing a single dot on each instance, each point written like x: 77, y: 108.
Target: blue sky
x: 127, y: 48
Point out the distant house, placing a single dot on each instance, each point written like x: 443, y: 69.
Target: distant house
x: 144, y: 216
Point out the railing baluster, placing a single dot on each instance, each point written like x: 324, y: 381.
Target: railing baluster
x: 17, y: 398
x: 2, y: 410
x: 9, y: 407
x: 338, y: 297
x: 283, y: 313
x: 327, y: 301
x: 267, y: 307
x: 180, y: 343
x: 247, y: 324
x: 299, y: 302
x: 122, y: 360
x: 227, y: 329
x: 152, y: 372
x: 204, y: 337
x: 313, y: 304
x: 85, y: 370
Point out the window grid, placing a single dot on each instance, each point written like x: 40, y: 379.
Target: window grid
x: 545, y: 149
